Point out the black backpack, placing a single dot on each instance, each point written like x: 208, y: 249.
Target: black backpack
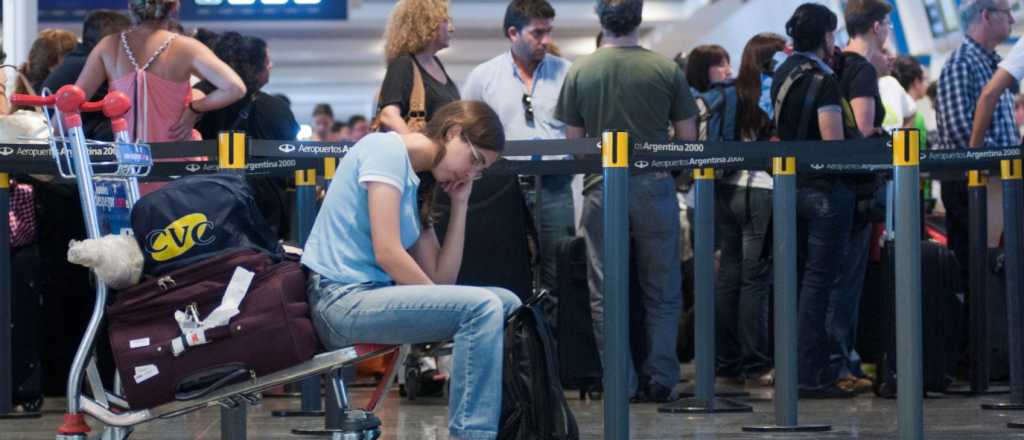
x: 816, y: 76
x: 533, y: 405
x: 196, y: 217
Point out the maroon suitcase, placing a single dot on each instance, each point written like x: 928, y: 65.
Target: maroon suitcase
x: 272, y: 330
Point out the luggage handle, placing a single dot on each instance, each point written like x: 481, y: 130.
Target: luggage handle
x: 200, y: 384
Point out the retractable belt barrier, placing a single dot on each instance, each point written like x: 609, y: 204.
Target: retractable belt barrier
x: 284, y: 157
x: 622, y: 157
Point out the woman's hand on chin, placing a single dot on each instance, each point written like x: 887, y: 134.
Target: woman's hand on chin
x: 458, y: 191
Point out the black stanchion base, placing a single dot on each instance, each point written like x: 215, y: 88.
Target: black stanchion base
x: 691, y: 391
x: 316, y: 432
x: 21, y: 415
x: 353, y: 424
x: 797, y: 428
x: 1003, y: 406
x: 330, y: 432
x: 967, y: 391
x: 297, y: 413
x: 693, y: 405
x: 1015, y: 425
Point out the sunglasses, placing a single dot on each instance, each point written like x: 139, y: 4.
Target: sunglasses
x: 528, y: 107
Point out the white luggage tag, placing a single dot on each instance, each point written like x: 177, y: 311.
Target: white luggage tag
x: 145, y: 372
x: 193, y: 329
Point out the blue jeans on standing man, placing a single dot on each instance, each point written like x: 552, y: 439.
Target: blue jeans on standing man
x: 557, y: 221
x: 345, y: 314
x: 654, y: 230
x: 844, y: 302
x: 825, y: 214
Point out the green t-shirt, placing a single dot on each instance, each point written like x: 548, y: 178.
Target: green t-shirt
x: 625, y: 88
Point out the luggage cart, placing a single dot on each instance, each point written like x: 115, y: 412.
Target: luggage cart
x: 123, y: 162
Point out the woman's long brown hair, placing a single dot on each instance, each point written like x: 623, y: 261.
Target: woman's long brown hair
x: 752, y: 122
x: 480, y: 125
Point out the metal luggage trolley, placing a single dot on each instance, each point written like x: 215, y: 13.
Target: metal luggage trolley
x: 122, y: 163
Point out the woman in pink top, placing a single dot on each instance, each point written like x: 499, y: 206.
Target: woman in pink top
x: 154, y: 65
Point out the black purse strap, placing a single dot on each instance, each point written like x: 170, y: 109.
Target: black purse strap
x: 244, y: 113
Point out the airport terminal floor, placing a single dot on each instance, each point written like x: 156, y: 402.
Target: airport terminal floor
x: 947, y: 417
x: 827, y: 244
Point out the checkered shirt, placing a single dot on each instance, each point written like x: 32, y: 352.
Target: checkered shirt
x: 968, y: 70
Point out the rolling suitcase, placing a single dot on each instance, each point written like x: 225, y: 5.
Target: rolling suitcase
x: 998, y: 333
x: 175, y: 338
x: 578, y: 360
x: 941, y: 316
x: 27, y: 341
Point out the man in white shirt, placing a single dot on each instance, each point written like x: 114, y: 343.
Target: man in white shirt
x: 522, y: 86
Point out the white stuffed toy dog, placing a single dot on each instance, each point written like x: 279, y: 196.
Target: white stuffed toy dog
x: 116, y: 259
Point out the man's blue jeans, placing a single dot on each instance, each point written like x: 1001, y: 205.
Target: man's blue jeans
x: 844, y: 302
x: 557, y: 221
x: 345, y: 314
x: 654, y: 230
x: 825, y: 216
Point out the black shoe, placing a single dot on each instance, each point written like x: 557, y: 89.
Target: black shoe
x: 593, y: 391
x: 829, y: 392
x: 655, y: 393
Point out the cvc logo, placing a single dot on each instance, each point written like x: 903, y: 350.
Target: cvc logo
x: 179, y: 237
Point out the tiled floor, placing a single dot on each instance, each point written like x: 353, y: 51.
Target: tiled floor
x: 866, y: 417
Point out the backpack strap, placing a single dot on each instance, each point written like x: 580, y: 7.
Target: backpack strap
x: 787, y: 85
x: 808, y: 109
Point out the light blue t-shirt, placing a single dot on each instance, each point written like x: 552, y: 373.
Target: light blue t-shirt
x: 340, y: 246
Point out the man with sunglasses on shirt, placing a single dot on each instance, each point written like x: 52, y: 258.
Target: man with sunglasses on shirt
x: 522, y: 86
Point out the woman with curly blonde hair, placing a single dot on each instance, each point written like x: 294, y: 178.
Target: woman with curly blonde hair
x: 416, y: 31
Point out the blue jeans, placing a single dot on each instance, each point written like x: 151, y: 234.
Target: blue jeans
x: 654, y: 230
x: 345, y: 314
x: 744, y: 281
x: 824, y: 219
x: 557, y: 221
x: 844, y: 302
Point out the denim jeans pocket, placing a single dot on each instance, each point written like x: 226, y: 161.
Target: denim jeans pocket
x: 328, y: 319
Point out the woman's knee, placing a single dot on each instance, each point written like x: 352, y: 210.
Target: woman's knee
x: 509, y: 301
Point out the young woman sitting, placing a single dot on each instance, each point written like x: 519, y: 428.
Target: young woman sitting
x: 381, y: 276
